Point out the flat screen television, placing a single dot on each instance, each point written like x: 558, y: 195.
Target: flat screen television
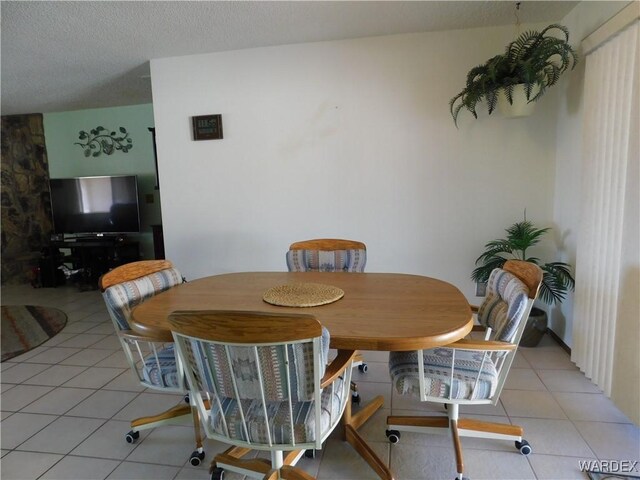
x: 95, y: 205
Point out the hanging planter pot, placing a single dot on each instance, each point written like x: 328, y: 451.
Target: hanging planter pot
x: 520, y: 106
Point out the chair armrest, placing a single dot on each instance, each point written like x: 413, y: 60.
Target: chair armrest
x: 479, y: 328
x: 337, y: 366
x: 131, y: 335
x: 470, y: 344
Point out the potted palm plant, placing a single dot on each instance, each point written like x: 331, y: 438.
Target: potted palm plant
x: 556, y: 279
x: 518, y: 77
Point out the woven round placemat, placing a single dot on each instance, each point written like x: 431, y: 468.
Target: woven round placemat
x: 302, y: 295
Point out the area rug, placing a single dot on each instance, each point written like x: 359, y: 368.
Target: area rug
x: 26, y: 326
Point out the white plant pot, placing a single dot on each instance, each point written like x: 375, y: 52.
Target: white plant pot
x: 520, y: 107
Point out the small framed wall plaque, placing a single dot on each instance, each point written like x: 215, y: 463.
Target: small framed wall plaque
x: 207, y: 127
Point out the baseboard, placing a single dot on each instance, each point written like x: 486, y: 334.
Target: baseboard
x: 559, y: 341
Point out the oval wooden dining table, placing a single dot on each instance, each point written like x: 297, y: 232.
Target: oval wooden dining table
x: 379, y: 311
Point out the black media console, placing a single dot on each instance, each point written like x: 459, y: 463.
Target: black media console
x: 85, y: 259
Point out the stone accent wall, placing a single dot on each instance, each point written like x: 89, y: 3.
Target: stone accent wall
x: 26, y: 209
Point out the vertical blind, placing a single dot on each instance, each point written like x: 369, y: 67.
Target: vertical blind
x: 611, y: 98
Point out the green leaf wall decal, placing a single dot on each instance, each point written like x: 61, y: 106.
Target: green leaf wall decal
x: 98, y: 141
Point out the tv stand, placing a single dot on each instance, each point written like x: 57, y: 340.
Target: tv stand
x: 91, y: 257
x: 107, y: 237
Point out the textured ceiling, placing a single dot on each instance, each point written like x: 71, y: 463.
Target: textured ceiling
x: 59, y: 56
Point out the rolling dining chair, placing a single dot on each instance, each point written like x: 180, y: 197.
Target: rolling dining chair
x: 260, y: 381
x: 151, y: 359
x: 470, y: 372
x: 330, y: 255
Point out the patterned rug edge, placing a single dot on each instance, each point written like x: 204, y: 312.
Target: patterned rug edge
x: 25, y: 327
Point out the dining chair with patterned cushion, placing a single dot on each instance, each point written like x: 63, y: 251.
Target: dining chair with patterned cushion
x: 470, y: 371
x: 330, y: 255
x: 152, y: 360
x: 261, y: 381
x: 327, y: 255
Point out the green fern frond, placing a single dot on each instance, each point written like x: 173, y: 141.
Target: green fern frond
x: 541, y: 91
x: 455, y: 111
x: 492, y: 101
x: 519, y: 48
x: 476, y: 72
x: 508, y: 90
x: 556, y: 26
x: 496, y: 247
x: 452, y: 103
x: 523, y: 235
x: 551, y: 74
x: 481, y: 273
x: 562, y: 271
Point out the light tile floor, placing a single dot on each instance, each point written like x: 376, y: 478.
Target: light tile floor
x: 66, y: 406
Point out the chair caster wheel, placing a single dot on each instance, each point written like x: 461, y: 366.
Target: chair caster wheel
x: 393, y: 435
x: 363, y: 367
x: 524, y: 447
x: 217, y: 474
x: 461, y: 478
x: 186, y: 399
x: 311, y: 453
x: 196, y: 458
x: 355, y: 398
x: 132, y: 436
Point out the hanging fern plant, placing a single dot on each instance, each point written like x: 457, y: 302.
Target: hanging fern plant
x: 535, y: 60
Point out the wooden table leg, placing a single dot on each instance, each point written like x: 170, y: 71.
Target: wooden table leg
x: 351, y: 435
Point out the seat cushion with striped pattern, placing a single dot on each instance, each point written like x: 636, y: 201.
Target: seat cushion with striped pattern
x: 404, y: 370
x: 228, y: 421
x: 163, y: 370
x: 326, y: 261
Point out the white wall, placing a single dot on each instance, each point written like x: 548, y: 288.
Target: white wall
x: 347, y: 139
x: 581, y: 21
